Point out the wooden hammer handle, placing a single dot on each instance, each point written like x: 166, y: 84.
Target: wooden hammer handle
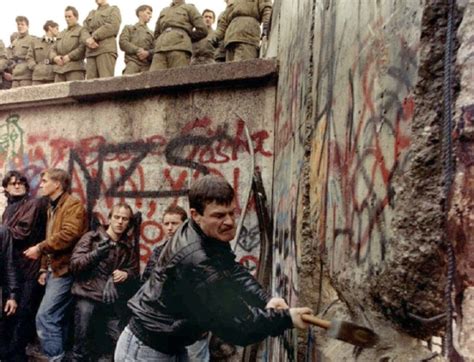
x: 309, y: 318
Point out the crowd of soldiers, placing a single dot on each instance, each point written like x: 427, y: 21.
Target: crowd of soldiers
x: 182, y: 37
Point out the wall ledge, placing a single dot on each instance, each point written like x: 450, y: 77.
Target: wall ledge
x: 250, y: 73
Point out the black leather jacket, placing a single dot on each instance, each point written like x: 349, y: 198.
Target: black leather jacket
x: 197, y: 286
x: 8, y: 274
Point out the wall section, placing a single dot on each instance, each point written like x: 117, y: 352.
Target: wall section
x: 145, y: 149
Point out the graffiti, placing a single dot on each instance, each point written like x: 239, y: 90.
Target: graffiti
x: 362, y: 155
x: 11, y: 139
x: 149, y: 173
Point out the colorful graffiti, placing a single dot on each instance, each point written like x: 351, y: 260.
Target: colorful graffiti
x: 149, y: 173
x: 366, y: 138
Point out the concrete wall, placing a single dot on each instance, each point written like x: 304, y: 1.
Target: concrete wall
x: 358, y: 169
x: 146, y: 149
x: 461, y: 213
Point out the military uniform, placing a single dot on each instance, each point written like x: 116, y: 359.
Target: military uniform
x: 103, y: 25
x: 177, y: 26
x: 219, y: 53
x: 38, y: 60
x: 132, y: 38
x: 203, y: 51
x: 3, y: 63
x: 240, y: 27
x: 70, y: 42
x: 22, y: 75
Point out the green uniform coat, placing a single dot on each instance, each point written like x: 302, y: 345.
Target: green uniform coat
x: 3, y: 58
x: 38, y: 60
x: 103, y: 25
x: 186, y: 25
x: 134, y: 37
x: 70, y: 42
x: 20, y: 48
x: 240, y: 22
x: 204, y: 49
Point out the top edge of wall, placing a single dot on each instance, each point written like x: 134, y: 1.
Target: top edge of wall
x: 250, y: 73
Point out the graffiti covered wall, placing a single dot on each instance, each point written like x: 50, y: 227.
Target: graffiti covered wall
x: 357, y: 155
x: 147, y: 151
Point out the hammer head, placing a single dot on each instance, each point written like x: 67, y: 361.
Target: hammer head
x: 352, y: 333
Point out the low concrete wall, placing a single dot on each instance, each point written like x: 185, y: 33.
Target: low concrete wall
x: 144, y: 139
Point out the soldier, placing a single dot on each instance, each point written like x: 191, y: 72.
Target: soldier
x: 137, y: 42
x: 103, y: 26
x: 240, y: 28
x: 7, y: 72
x: 177, y: 26
x: 69, y: 51
x: 22, y: 75
x: 38, y: 55
x: 203, y: 51
x: 219, y: 54
x: 105, y: 264
x: 3, y: 63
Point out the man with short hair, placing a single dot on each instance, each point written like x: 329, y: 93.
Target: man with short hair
x: 66, y: 224
x: 203, y: 51
x: 239, y: 27
x: 173, y: 217
x: 69, y: 51
x: 177, y: 27
x: 197, y: 286
x: 104, y: 264
x: 25, y: 220
x: 103, y: 25
x: 137, y: 42
x: 38, y: 55
x: 22, y: 75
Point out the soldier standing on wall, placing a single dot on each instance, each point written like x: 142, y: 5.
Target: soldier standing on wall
x: 69, y: 50
x: 38, y: 55
x: 203, y: 51
x: 3, y: 64
x: 219, y: 54
x: 22, y: 75
x: 137, y: 42
x: 103, y: 25
x: 239, y: 27
x: 177, y: 27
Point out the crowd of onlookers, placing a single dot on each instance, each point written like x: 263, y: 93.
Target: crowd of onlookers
x: 182, y: 36
x: 54, y: 273
x: 74, y: 283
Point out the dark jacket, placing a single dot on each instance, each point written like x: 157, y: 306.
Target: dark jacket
x: 67, y: 222
x: 8, y: 276
x: 152, y: 261
x: 91, y: 275
x: 25, y: 218
x: 197, y: 286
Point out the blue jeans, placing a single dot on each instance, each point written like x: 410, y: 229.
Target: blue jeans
x: 199, y: 350
x: 130, y: 349
x: 51, y: 320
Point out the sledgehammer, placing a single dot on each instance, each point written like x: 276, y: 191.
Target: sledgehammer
x: 345, y: 331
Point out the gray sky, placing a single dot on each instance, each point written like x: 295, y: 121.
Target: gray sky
x: 39, y: 11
